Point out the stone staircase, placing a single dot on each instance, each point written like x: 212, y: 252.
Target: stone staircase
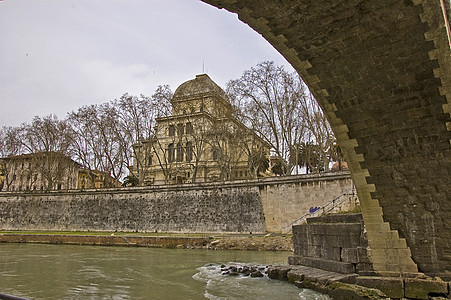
x: 346, y: 200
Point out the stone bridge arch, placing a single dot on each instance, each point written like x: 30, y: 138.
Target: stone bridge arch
x: 381, y: 71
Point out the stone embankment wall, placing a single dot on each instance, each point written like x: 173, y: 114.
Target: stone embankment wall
x: 255, y: 206
x: 287, y: 200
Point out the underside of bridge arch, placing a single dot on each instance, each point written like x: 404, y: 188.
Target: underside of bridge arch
x: 381, y: 71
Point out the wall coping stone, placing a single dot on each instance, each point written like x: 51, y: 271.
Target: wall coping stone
x: 260, y: 182
x: 336, y: 218
x: 323, y: 264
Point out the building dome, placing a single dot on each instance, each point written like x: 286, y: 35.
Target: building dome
x: 202, y: 84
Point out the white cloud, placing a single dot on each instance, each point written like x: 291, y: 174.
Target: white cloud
x: 58, y: 55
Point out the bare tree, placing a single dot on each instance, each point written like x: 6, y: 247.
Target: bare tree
x: 320, y: 135
x: 85, y: 138
x: 49, y: 140
x: 224, y: 140
x: 162, y: 100
x: 10, y: 147
x: 279, y: 107
x: 267, y: 99
x: 136, y: 122
x: 99, y: 141
x: 148, y: 142
x: 195, y: 141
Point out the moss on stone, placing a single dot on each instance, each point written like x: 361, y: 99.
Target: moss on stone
x: 345, y: 291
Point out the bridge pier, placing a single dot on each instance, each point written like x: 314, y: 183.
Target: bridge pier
x: 381, y: 71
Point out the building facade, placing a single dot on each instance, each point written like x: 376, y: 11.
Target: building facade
x: 38, y: 172
x: 95, y: 179
x: 49, y: 171
x: 200, y: 142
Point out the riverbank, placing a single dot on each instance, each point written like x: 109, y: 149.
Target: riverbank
x: 161, y: 240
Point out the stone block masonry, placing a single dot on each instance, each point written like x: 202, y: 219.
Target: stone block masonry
x: 235, y: 207
x: 335, y: 243
x: 381, y: 71
x: 285, y: 201
x: 197, y: 210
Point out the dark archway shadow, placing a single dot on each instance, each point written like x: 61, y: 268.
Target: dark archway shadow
x: 381, y: 71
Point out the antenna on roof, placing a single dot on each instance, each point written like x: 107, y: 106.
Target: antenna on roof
x: 204, y: 68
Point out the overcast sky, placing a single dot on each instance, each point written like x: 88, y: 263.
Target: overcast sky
x: 58, y: 55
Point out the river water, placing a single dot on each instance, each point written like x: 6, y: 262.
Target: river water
x: 91, y: 272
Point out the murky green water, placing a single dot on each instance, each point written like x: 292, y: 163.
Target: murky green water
x: 88, y: 272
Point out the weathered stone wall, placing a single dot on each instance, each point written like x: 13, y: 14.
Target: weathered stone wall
x: 209, y: 207
x: 334, y: 243
x: 213, y: 209
x: 287, y: 201
x: 381, y: 71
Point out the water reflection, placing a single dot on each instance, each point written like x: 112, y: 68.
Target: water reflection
x: 88, y: 272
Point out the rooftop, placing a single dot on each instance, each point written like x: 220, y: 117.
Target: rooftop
x: 202, y: 84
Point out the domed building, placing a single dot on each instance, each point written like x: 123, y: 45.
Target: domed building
x: 200, y: 141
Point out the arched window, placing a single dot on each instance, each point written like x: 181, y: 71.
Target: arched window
x: 171, y: 153
x: 189, y: 151
x: 179, y: 152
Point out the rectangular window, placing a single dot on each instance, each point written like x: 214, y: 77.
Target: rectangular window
x: 180, y: 129
x: 215, y: 154
x: 179, y: 152
x: 171, y: 153
x: 171, y: 130
x: 189, y: 128
x: 189, y: 151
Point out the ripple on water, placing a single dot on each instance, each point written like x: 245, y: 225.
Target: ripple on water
x: 218, y: 286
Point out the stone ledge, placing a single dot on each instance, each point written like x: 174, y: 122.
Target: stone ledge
x: 352, y: 286
x: 111, y: 240
x: 422, y: 288
x: 303, y: 273
x: 390, y: 286
x: 336, y: 218
x: 276, y: 180
x: 327, y: 265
